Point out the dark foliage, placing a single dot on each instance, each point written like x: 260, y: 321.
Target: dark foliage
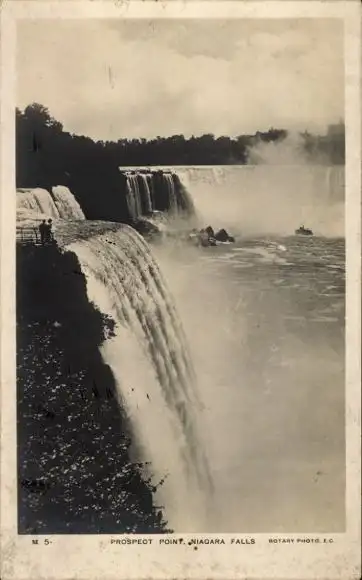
x: 46, y: 156
x: 75, y: 474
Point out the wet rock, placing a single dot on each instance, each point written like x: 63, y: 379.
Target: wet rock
x: 146, y: 228
x: 210, y: 232
x: 222, y: 236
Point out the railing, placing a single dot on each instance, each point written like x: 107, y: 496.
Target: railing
x: 30, y: 235
x: 27, y: 235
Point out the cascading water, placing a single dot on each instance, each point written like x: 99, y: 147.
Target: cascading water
x: 148, y: 356
x: 231, y: 197
x: 131, y: 204
x: 139, y: 198
x: 146, y: 193
x: 37, y: 200
x: 184, y: 201
x: 152, y: 367
x: 171, y: 192
x: 133, y: 196
x: 151, y: 190
x: 59, y: 204
x: 334, y: 183
x: 67, y: 205
x: 157, y: 190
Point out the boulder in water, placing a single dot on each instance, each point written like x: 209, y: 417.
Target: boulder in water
x: 223, y: 236
x: 204, y: 238
x: 210, y: 232
x: 207, y: 237
x: 146, y: 228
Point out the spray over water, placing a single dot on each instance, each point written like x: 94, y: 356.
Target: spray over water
x: 268, y: 199
x: 153, y: 369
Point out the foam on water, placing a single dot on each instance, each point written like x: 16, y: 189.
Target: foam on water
x: 270, y: 366
x: 240, y: 438
x: 154, y: 373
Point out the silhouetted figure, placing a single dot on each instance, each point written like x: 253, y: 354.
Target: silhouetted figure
x: 43, y: 232
x: 48, y: 232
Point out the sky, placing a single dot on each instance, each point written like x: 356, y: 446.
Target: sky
x: 113, y: 79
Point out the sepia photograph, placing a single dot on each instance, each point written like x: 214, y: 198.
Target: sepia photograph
x: 180, y: 277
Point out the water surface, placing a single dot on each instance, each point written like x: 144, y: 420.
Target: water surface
x: 265, y: 322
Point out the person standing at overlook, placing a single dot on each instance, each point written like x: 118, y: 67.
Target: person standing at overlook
x: 48, y: 231
x: 43, y: 232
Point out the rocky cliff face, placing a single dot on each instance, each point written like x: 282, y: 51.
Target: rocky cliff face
x: 75, y: 470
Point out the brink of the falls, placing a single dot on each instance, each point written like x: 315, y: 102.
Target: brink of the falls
x: 76, y: 472
x: 147, y: 353
x: 58, y: 203
x: 149, y: 191
x: 37, y: 200
x: 153, y: 369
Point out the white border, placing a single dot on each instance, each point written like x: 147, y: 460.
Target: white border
x: 94, y: 556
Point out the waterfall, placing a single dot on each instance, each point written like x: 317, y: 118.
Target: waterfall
x: 131, y: 204
x: 67, y: 205
x: 231, y: 197
x: 37, y: 200
x: 146, y: 193
x: 139, y: 197
x: 173, y: 206
x: 184, y: 200
x: 153, y: 189
x: 124, y: 281
x: 59, y: 204
x: 334, y: 182
x: 133, y: 196
x: 219, y: 174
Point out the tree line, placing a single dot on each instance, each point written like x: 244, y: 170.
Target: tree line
x: 48, y: 155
